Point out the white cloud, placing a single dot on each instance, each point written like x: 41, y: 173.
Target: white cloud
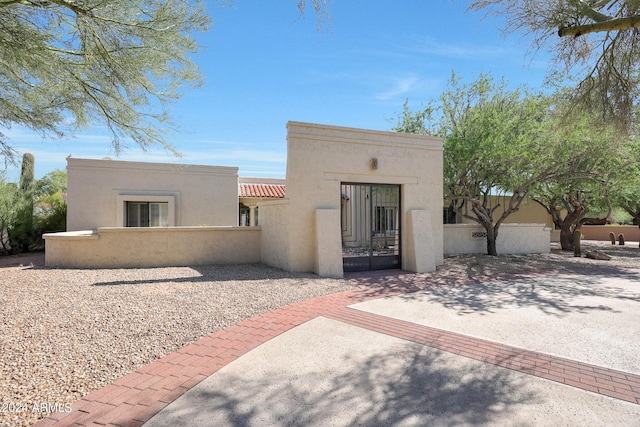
x: 410, y: 84
x: 465, y: 50
x: 208, y: 157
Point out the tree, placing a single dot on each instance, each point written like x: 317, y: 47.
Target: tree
x: 320, y: 8
x: 50, y: 208
x: 31, y: 209
x: 492, y: 158
x: 627, y: 195
x: 20, y: 231
x: 10, y: 206
x: 52, y: 183
x: 569, y: 204
x: 502, y: 147
x: 595, y: 161
x: 598, y: 39
x: 67, y: 64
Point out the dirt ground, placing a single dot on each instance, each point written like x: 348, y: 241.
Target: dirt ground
x: 29, y: 259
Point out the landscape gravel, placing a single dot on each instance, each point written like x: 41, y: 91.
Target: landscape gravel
x: 67, y: 332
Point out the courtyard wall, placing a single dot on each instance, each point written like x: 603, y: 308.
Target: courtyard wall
x: 125, y: 247
x: 512, y: 239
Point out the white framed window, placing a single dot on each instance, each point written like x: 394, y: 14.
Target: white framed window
x: 147, y: 214
x: 146, y: 210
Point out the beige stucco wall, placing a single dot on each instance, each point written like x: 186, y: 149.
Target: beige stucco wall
x: 530, y: 212
x: 601, y: 232
x: 321, y: 157
x: 153, y: 247
x: 197, y: 195
x: 512, y: 239
x: 275, y: 234
x: 419, y: 229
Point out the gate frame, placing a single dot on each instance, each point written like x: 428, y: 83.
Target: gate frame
x: 370, y: 230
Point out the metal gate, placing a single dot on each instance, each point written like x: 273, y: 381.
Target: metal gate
x: 370, y: 218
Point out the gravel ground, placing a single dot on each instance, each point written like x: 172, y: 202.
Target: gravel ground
x: 67, y: 332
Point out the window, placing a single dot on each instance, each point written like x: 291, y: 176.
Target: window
x: 245, y: 219
x: 244, y: 215
x: 385, y: 219
x: 147, y: 214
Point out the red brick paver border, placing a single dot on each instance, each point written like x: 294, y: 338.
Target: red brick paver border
x: 133, y: 399
x: 609, y: 382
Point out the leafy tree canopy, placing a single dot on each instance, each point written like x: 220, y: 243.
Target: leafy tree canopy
x: 491, y: 147
x: 67, y: 64
x: 595, y: 160
x: 504, y: 146
x: 626, y: 194
x: 52, y: 183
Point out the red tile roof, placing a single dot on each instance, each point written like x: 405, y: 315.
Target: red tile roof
x: 273, y: 191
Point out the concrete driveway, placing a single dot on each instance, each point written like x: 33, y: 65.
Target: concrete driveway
x: 540, y: 351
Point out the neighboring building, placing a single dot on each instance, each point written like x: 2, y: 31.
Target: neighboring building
x: 530, y: 212
x: 252, y: 191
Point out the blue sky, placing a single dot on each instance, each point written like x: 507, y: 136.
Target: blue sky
x: 264, y: 66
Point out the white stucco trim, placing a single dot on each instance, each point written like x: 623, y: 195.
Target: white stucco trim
x: 144, y: 167
x: 341, y: 135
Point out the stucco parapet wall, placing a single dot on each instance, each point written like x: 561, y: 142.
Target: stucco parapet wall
x: 340, y: 135
x: 191, y: 228
x: 102, y: 164
x: 95, y: 234
x: 73, y: 235
x: 133, y: 247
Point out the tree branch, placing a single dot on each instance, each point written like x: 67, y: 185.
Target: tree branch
x: 610, y: 25
x: 588, y: 11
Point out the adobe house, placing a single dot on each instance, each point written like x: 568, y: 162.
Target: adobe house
x: 355, y: 200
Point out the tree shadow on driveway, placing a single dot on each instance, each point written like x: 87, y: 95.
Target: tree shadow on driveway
x: 555, y: 295
x: 556, y: 283
x: 410, y: 385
